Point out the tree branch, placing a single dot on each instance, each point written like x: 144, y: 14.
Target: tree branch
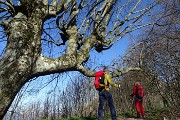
x: 115, y: 31
x: 83, y: 54
x: 85, y: 71
x: 102, y: 13
x: 46, y: 66
x: 55, y: 8
x: 73, y: 34
x: 5, y: 23
x: 9, y: 5
x: 125, y: 71
x: 52, y: 41
x: 90, y: 73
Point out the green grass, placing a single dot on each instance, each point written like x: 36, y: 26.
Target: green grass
x: 81, y: 118
x: 149, y: 115
x: 77, y: 118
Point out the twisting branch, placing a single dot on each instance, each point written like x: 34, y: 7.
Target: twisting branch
x: 85, y: 71
x: 141, y: 57
x: 54, y: 3
x: 90, y: 73
x: 10, y: 1
x: 94, y: 26
x: 99, y: 17
x: 130, y: 28
x: 101, y: 14
x: 5, y: 23
x: 48, y: 35
x: 125, y: 71
x: 126, y: 18
x: 133, y: 47
x: 89, y: 17
x: 2, y: 37
x: 55, y: 7
x: 52, y: 41
x: 9, y: 4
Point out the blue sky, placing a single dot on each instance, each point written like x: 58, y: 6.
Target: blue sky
x: 118, y: 49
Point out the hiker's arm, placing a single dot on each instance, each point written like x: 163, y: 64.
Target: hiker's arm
x: 109, y: 79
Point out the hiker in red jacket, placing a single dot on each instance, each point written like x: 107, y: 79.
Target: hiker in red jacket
x: 138, y: 94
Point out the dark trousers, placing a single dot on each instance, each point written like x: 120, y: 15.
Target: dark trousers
x: 106, y: 95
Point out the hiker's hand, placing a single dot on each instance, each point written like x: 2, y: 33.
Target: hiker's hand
x: 119, y: 86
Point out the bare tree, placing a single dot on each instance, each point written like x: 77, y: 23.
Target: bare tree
x: 162, y: 53
x: 157, y: 53
x: 26, y: 24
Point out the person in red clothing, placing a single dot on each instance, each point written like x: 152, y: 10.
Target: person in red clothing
x: 138, y: 94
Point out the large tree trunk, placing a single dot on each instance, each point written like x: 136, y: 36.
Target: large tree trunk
x: 22, y: 50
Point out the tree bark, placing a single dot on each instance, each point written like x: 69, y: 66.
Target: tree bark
x: 22, y: 50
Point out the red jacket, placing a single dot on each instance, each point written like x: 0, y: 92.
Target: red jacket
x: 135, y: 90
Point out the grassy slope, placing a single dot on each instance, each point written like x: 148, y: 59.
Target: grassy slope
x: 150, y: 115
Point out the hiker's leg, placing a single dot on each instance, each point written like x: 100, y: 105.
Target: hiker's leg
x: 101, y: 105
x: 137, y: 108
x: 141, y: 108
x: 111, y: 105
